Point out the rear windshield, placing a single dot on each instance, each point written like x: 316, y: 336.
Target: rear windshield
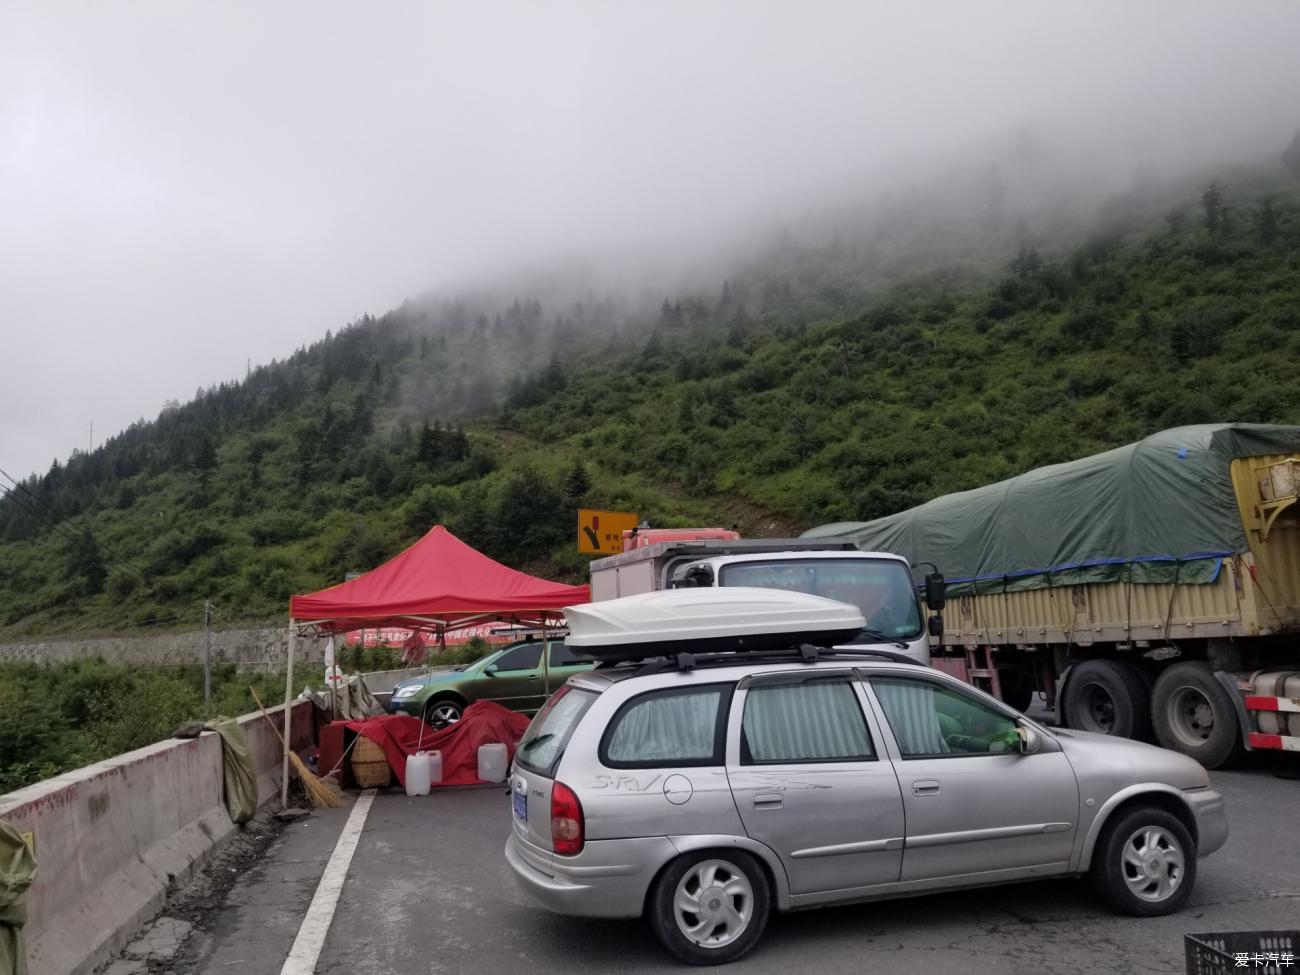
x: 549, y: 732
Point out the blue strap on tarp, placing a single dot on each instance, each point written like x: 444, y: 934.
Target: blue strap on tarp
x: 1217, y: 558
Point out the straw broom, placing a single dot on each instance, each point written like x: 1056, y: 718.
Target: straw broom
x: 320, y: 792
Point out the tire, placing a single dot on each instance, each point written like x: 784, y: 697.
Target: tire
x: 1109, y: 697
x: 442, y: 711
x: 1144, y: 863
x: 727, y: 878
x: 1195, y: 715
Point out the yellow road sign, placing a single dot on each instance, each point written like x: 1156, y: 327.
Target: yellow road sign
x: 601, y: 532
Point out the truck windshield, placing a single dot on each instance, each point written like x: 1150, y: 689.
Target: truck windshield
x: 881, y: 588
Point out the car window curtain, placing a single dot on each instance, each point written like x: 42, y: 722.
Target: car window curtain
x: 805, y: 721
x: 910, y: 708
x: 665, y: 727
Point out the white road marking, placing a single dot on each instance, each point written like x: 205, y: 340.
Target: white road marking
x: 316, y: 925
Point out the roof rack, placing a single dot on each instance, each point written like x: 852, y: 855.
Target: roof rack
x: 802, y: 653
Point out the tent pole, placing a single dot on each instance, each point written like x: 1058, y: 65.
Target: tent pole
x: 288, y: 715
x: 546, y: 665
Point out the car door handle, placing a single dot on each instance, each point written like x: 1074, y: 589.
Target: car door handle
x: 925, y: 787
x: 768, y: 800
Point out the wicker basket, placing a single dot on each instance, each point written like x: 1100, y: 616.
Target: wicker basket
x: 370, y: 765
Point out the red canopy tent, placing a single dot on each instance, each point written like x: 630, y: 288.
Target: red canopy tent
x: 437, y: 585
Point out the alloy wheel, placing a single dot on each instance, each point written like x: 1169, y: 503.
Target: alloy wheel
x: 1153, y: 864
x: 713, y: 903
x: 444, y: 714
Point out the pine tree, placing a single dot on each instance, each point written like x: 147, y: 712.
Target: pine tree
x: 457, y: 447
x: 83, y: 562
x: 1212, y: 203
x: 426, y: 448
x: 1291, y: 156
x: 1266, y: 221
x: 577, y: 483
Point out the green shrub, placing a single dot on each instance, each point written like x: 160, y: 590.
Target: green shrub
x: 62, y: 716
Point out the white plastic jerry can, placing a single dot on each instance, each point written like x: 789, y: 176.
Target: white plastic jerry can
x: 417, y: 774
x: 492, y: 762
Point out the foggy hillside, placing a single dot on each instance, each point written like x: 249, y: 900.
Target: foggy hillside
x: 842, y: 365
x: 170, y: 217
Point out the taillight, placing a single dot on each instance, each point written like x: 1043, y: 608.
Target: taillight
x: 566, y: 820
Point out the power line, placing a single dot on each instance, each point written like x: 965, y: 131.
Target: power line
x: 58, y: 528
x: 57, y: 514
x: 116, y: 559
x: 34, y: 513
x: 141, y: 624
x: 86, y: 534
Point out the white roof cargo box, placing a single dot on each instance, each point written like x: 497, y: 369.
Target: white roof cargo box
x: 707, y: 619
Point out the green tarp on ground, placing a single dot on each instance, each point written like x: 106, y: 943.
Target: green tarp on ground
x: 17, y: 870
x: 238, y: 777
x: 1159, y: 510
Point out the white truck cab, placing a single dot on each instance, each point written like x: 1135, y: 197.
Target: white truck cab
x: 879, y: 584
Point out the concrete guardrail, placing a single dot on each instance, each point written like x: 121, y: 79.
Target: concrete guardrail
x: 112, y: 838
x: 382, y: 681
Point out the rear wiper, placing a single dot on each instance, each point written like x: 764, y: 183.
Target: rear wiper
x: 875, y: 636
x: 536, y: 741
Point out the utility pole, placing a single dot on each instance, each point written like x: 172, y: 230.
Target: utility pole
x: 207, y: 654
x: 90, y: 444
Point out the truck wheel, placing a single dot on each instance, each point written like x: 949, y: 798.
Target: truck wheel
x: 1109, y: 697
x: 1144, y: 863
x: 710, y: 908
x: 1194, y: 715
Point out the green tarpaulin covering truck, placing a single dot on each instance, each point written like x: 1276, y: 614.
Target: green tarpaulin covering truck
x: 1151, y: 590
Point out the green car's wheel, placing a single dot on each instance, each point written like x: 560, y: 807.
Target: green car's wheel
x: 442, y: 712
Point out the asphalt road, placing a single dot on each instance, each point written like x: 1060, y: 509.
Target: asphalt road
x: 428, y: 891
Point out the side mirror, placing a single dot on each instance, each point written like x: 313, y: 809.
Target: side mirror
x: 935, y: 589
x: 695, y: 577
x: 935, y: 626
x: 490, y: 670
x: 1029, y: 739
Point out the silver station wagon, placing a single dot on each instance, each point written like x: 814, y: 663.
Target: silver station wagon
x: 717, y: 765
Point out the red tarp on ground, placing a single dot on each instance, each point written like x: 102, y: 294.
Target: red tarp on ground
x: 483, y: 722
x: 437, y: 582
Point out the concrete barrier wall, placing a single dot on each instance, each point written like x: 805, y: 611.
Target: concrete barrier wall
x: 382, y: 681
x: 112, y: 838
x: 263, y: 649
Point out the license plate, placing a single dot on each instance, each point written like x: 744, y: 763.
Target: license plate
x: 521, y: 806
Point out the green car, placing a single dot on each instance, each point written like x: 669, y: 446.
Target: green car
x: 517, y: 676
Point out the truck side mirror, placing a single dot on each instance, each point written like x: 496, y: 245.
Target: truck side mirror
x: 696, y: 577
x: 935, y: 589
x: 935, y: 626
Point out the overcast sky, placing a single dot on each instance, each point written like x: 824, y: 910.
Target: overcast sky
x: 187, y: 186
